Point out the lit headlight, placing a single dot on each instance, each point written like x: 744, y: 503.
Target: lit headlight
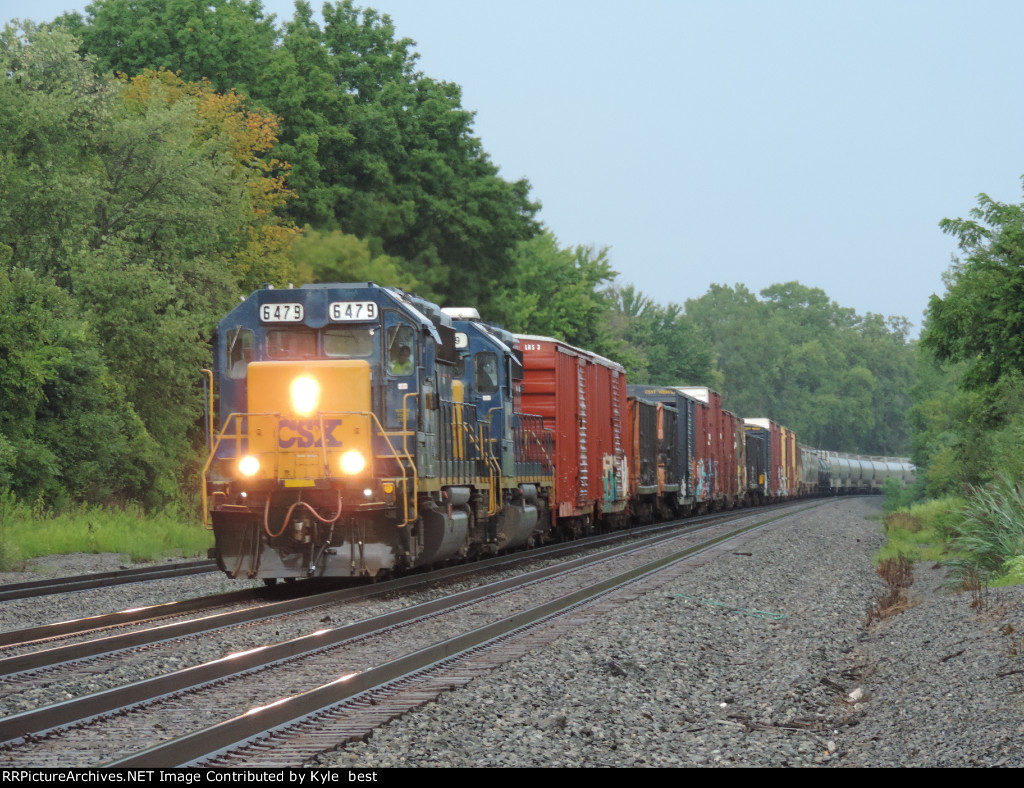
x: 305, y: 395
x: 248, y: 465
x: 352, y: 462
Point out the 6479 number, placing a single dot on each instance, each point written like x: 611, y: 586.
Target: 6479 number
x: 281, y: 313
x: 353, y: 310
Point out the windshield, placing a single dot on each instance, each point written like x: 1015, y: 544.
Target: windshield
x: 349, y: 342
x: 291, y: 343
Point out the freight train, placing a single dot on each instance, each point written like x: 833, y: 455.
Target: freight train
x: 364, y: 431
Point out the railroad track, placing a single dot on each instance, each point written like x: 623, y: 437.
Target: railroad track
x: 121, y: 726
x: 37, y: 647
x: 110, y: 653
x: 63, y: 585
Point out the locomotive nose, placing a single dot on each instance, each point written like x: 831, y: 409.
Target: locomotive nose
x: 310, y: 420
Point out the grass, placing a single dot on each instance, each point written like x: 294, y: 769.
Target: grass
x: 26, y: 533
x: 922, y: 531
x: 980, y: 537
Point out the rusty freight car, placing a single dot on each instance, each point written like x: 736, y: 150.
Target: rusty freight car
x: 582, y: 398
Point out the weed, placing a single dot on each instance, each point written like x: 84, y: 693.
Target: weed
x: 898, y: 574
x: 9, y: 557
x: 921, y: 532
x: 895, y: 495
x: 976, y: 583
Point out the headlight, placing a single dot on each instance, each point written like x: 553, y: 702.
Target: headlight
x: 248, y: 465
x: 305, y: 395
x: 352, y: 462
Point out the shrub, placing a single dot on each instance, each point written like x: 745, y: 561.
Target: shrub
x: 990, y: 536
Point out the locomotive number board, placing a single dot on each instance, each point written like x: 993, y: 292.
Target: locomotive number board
x: 344, y: 311
x: 281, y: 313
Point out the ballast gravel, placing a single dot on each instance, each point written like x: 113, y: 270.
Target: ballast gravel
x: 761, y: 657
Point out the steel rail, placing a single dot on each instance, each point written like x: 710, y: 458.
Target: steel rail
x: 191, y: 749
x: 61, y: 585
x: 39, y: 721
x: 25, y: 637
x: 66, y: 653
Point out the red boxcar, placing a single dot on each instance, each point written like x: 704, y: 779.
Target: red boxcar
x: 582, y: 399
x: 737, y: 481
x: 719, y: 464
x: 790, y: 461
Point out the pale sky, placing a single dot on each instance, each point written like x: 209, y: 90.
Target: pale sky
x: 734, y: 141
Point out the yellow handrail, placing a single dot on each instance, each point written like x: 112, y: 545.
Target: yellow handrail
x: 213, y: 453
x: 412, y: 464
x: 209, y: 405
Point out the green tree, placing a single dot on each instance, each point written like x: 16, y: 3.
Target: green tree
x: 66, y: 431
x: 980, y: 320
x: 838, y: 379
x: 558, y: 293
x: 379, y: 150
x: 969, y: 420
x: 734, y: 323
x: 337, y: 257
x: 229, y: 42
x: 148, y: 203
x: 666, y: 346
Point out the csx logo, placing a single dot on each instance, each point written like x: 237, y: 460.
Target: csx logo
x: 302, y: 433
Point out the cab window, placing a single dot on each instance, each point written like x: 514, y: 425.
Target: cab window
x: 349, y: 342
x: 239, y: 352
x: 485, y: 365
x: 284, y: 343
x: 401, y: 348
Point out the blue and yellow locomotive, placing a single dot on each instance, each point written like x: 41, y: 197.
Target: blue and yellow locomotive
x: 364, y: 431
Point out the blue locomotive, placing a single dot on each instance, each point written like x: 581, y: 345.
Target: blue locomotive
x: 364, y: 431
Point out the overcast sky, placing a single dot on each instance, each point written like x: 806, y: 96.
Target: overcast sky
x: 731, y: 141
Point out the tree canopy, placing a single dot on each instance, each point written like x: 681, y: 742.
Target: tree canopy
x: 969, y: 404
x: 378, y: 149
x: 840, y: 380
x: 136, y: 210
x: 980, y: 319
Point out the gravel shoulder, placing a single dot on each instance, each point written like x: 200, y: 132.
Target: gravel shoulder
x: 761, y: 656
x: 748, y: 660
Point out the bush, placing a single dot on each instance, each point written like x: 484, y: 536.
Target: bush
x: 893, y: 492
